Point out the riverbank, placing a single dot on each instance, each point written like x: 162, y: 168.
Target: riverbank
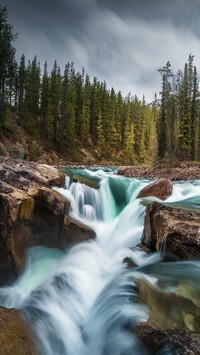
x: 178, y: 172
x: 34, y: 214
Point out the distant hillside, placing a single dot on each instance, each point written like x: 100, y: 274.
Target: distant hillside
x: 16, y: 142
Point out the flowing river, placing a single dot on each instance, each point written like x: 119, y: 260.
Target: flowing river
x: 84, y: 300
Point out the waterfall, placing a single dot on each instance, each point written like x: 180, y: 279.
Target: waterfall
x: 84, y: 300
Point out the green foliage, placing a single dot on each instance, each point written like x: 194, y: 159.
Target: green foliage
x: 178, y: 125
x: 128, y: 152
x: 163, y: 132
x: 33, y: 151
x: 7, y: 63
x: 21, y: 86
x: 70, y: 112
x: 32, y: 89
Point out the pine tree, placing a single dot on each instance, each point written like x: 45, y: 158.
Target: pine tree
x: 85, y: 114
x: 21, y: 85
x: 119, y: 120
x: 100, y: 135
x: 195, y: 116
x: 185, y: 118
x: 55, y: 103
x: 32, y: 95
x: 105, y: 101
x: 95, y: 108
x: 129, y: 136
x: 7, y: 63
x: 138, y: 116
x: 78, y: 82
x: 113, y: 133
x: 46, y: 109
x: 166, y: 73
x: 68, y: 110
x: 152, y: 122
x: 128, y: 152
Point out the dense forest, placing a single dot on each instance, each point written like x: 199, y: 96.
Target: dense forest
x: 68, y: 110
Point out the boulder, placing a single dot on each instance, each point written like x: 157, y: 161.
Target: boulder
x: 39, y: 222
x: 15, y: 336
x: 174, y: 317
x: 74, y: 232
x: 31, y: 214
x: 174, y: 230
x: 161, y: 188
x: 174, y: 307
x: 23, y: 174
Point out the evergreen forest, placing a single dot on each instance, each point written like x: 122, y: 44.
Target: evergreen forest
x: 68, y: 110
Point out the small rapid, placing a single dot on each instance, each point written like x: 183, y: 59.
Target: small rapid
x: 84, y: 300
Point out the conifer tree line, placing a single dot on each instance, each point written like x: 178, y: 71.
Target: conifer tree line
x: 69, y: 111
x: 179, y: 117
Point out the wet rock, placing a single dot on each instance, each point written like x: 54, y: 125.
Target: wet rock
x: 174, y: 310
x: 31, y: 214
x: 167, y: 341
x: 43, y: 221
x: 74, y: 232
x: 86, y: 180
x: 170, y: 308
x: 39, y: 222
x: 174, y: 230
x: 174, y: 317
x: 161, y: 188
x: 15, y: 337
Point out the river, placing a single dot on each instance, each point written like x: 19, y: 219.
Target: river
x: 83, y: 300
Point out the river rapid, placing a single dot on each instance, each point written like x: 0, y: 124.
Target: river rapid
x: 84, y: 300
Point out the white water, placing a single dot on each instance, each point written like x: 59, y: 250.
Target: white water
x: 84, y: 300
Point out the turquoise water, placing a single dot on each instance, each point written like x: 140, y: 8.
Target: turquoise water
x: 84, y: 300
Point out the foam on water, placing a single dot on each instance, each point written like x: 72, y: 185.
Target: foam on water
x: 84, y: 300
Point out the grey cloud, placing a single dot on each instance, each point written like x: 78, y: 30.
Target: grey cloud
x: 121, y: 42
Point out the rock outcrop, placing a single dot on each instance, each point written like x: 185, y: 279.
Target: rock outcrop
x: 74, y: 232
x: 31, y: 213
x: 168, y: 341
x: 161, y: 188
x: 175, y: 230
x: 15, y: 337
x: 174, y: 318
x: 24, y: 174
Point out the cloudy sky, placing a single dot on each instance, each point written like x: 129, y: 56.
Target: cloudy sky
x: 120, y: 41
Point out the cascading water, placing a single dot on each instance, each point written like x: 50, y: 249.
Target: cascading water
x: 84, y: 300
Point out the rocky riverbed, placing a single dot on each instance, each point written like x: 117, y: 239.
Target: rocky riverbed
x: 176, y: 172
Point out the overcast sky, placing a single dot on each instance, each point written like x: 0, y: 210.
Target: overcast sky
x: 120, y: 41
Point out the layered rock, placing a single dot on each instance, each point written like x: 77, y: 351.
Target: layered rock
x: 23, y: 174
x: 175, y: 230
x: 15, y: 337
x: 161, y: 188
x: 31, y: 213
